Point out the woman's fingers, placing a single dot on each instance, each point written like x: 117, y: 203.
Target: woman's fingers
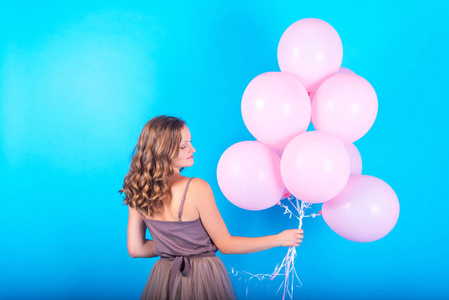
x: 291, y: 237
x: 299, y: 237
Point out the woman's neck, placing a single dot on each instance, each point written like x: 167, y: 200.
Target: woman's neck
x: 173, y: 178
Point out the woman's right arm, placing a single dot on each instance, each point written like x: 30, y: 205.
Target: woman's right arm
x: 216, y: 228
x: 138, y: 245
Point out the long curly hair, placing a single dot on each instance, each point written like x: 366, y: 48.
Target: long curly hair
x: 146, y: 184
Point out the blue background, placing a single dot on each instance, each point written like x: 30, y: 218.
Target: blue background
x: 78, y: 81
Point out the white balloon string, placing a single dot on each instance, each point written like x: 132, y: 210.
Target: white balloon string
x: 288, y: 263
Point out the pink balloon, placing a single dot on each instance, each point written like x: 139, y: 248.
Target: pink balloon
x: 311, y: 50
x: 311, y: 95
x: 315, y: 166
x: 344, y: 70
x: 355, y: 159
x: 277, y: 151
x: 346, y: 106
x: 366, y: 210
x: 286, y: 194
x: 249, y: 175
x: 275, y: 108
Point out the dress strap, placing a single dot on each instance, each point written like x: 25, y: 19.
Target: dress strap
x: 183, y: 199
x: 140, y: 213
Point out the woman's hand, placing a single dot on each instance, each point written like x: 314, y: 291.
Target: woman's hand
x: 290, y: 238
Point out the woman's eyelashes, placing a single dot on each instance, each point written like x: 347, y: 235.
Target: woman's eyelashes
x: 183, y: 147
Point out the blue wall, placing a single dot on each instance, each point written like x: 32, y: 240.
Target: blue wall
x: 79, y: 80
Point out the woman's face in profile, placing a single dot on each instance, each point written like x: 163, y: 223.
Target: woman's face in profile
x: 186, y: 150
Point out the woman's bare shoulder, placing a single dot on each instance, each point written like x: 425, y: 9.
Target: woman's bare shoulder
x: 199, y: 185
x: 201, y: 193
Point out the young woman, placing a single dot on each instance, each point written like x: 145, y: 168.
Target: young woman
x: 182, y: 217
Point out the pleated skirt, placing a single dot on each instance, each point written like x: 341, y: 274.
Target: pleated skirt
x: 207, y: 280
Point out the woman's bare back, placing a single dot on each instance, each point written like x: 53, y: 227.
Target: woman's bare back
x: 177, y: 184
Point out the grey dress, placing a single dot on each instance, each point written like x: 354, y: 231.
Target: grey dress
x: 188, y: 268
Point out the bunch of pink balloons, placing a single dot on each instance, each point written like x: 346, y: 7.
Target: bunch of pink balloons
x: 321, y: 166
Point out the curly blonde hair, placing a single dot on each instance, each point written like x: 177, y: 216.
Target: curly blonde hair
x: 146, y: 184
